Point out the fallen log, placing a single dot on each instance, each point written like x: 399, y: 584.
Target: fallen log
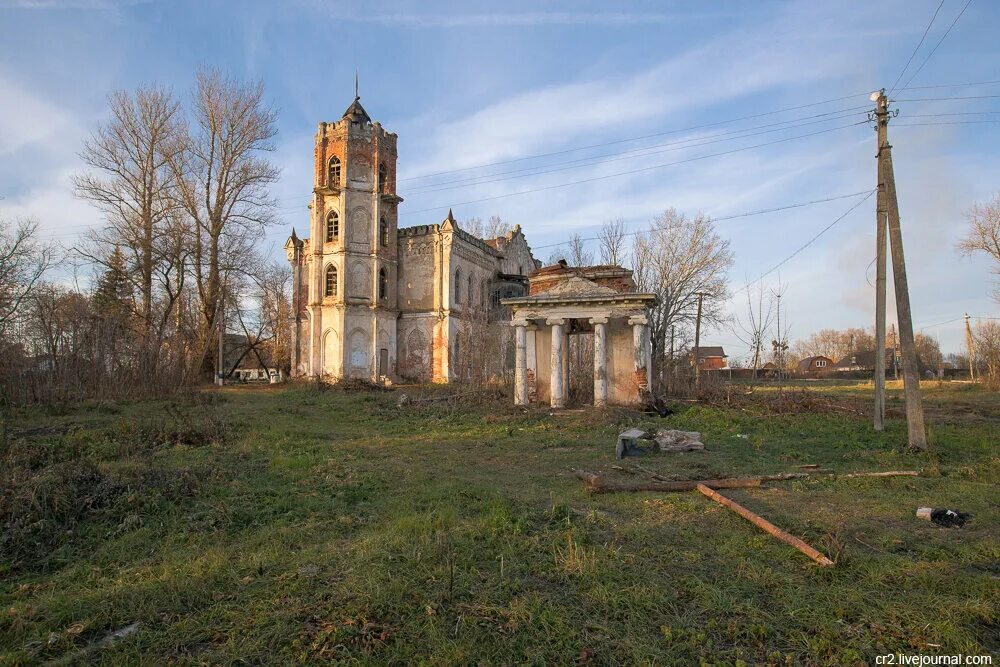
x: 597, y: 484
x: 766, y: 525
x: 888, y: 473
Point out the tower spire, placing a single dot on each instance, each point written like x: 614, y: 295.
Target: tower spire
x: 356, y: 96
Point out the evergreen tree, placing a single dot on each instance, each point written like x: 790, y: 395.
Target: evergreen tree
x: 113, y: 297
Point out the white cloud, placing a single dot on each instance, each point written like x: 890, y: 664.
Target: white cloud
x: 25, y: 118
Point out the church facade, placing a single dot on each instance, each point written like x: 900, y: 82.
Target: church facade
x: 371, y: 300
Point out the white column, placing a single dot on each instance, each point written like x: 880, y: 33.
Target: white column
x: 557, y: 389
x: 520, y: 362
x: 532, y: 361
x: 640, y: 345
x: 600, y: 361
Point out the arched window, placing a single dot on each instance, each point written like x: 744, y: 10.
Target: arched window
x: 383, y: 178
x: 469, y: 291
x: 383, y: 285
x: 383, y: 232
x: 333, y: 173
x: 331, y: 280
x: 332, y: 226
x: 458, y: 286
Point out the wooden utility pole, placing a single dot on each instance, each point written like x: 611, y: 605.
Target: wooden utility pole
x: 880, y: 225
x: 970, y: 349
x: 697, y: 345
x: 911, y: 373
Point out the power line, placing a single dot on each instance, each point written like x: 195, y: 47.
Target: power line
x: 638, y: 138
x: 957, y: 113
x: 625, y: 155
x: 951, y: 85
x: 948, y: 99
x: 807, y: 244
x: 953, y: 122
x: 919, y: 44
x: 635, y: 171
x: 733, y: 217
x: 939, y: 42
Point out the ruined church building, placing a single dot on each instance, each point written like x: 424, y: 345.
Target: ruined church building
x: 372, y: 300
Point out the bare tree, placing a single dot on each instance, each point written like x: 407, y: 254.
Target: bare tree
x: 23, y: 260
x: 579, y: 255
x: 490, y: 229
x: 223, y: 180
x: 987, y: 337
x: 677, y: 259
x: 754, y: 326
x: 612, y: 239
x: 133, y: 185
x: 984, y: 234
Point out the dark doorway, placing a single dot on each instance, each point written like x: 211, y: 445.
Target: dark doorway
x: 383, y: 362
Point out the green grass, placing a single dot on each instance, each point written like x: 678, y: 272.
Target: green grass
x: 284, y: 525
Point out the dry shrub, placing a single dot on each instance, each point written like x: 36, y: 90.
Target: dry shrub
x: 781, y: 402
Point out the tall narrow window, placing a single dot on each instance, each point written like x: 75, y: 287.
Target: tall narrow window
x: 332, y: 226
x: 458, y: 286
x: 333, y: 173
x: 383, y: 178
x: 331, y: 280
x: 383, y: 285
x: 469, y: 290
x: 383, y: 232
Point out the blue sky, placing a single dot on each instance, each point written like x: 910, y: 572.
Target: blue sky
x: 465, y: 84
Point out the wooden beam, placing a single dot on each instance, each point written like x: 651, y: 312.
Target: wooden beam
x: 766, y: 525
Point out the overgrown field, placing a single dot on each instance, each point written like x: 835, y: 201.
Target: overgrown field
x: 282, y: 525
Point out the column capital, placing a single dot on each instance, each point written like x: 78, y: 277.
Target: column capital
x: 519, y: 322
x: 555, y: 321
x: 638, y: 319
x: 599, y: 320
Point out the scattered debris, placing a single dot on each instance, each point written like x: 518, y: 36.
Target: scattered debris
x: 678, y: 441
x: 636, y: 442
x: 120, y: 633
x: 628, y: 443
x: 403, y: 399
x: 943, y: 517
x: 766, y: 525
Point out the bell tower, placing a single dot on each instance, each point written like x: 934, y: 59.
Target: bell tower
x: 347, y: 327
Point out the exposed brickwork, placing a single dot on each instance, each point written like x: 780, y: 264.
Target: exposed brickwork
x: 614, y: 277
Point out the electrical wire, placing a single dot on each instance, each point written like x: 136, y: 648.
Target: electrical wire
x: 616, y: 157
x: 919, y: 44
x: 806, y: 245
x: 951, y: 85
x: 733, y: 217
x: 634, y: 171
x: 638, y: 138
x: 908, y: 81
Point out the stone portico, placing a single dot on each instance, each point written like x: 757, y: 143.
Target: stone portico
x: 563, y: 301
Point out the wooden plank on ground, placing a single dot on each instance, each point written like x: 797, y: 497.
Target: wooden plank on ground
x: 766, y: 525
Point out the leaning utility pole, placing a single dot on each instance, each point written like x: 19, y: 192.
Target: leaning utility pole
x: 970, y: 348
x: 911, y: 374
x: 697, y: 345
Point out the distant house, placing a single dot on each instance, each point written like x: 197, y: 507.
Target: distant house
x: 711, y: 358
x: 816, y: 364
x: 864, y: 361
